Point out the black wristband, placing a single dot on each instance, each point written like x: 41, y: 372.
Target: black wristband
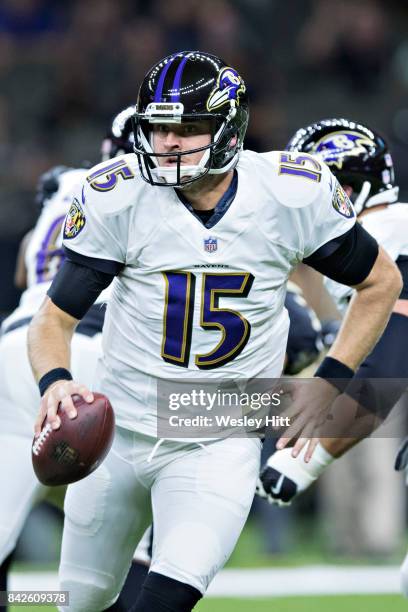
x: 335, y: 372
x: 51, y: 377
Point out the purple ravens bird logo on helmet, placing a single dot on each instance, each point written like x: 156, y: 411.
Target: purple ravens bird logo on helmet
x: 334, y: 147
x: 229, y: 86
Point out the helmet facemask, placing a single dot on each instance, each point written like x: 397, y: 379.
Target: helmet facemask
x: 219, y: 155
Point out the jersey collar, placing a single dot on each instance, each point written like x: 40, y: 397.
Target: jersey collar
x: 222, y: 205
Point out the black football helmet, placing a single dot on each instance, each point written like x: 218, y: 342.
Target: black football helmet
x: 120, y: 139
x: 48, y: 184
x: 356, y: 155
x: 191, y: 86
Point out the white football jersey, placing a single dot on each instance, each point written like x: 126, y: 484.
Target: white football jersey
x: 192, y: 302
x: 389, y: 226
x: 44, y: 253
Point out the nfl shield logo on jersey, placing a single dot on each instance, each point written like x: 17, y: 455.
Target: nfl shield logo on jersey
x: 210, y: 244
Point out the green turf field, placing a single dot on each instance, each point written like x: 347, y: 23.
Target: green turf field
x: 309, y: 547
x: 340, y: 603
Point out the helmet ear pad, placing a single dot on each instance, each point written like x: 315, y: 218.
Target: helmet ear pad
x: 231, y: 141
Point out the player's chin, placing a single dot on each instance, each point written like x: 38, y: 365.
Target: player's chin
x: 191, y: 184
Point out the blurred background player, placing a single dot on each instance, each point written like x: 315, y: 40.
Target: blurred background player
x: 40, y: 257
x: 362, y: 482
x: 305, y: 340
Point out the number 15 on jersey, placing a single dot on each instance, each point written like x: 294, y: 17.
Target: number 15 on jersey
x: 178, y: 317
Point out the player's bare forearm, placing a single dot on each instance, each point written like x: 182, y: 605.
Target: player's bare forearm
x: 366, y: 319
x: 49, y: 339
x: 49, y: 343
x: 368, y: 313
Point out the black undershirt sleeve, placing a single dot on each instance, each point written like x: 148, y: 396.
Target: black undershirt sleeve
x: 76, y: 287
x: 108, y: 266
x: 347, y: 259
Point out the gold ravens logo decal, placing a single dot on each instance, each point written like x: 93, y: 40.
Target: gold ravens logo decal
x: 341, y: 202
x: 74, y: 221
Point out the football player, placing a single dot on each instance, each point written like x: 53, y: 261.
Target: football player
x: 360, y: 159
x: 198, y: 238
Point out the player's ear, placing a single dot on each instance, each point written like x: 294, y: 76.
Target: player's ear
x: 233, y: 141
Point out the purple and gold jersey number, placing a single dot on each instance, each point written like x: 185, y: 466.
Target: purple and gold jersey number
x: 178, y: 317
x: 302, y: 166
x: 106, y: 177
x: 51, y: 255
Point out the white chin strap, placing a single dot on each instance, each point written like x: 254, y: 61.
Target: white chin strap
x: 388, y: 196
x: 169, y: 174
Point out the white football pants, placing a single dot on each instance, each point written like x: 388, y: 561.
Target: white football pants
x: 199, y: 496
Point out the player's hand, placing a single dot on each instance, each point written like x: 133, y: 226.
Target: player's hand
x: 311, y: 401
x: 60, y: 392
x: 273, y: 484
x: 283, y: 476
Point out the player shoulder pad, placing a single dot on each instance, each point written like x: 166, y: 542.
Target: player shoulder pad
x: 298, y: 180
x: 113, y: 185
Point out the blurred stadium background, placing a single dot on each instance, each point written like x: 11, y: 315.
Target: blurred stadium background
x: 65, y: 69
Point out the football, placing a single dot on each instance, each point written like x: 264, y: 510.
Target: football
x: 78, y: 447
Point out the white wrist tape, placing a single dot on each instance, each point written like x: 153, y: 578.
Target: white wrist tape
x: 295, y: 468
